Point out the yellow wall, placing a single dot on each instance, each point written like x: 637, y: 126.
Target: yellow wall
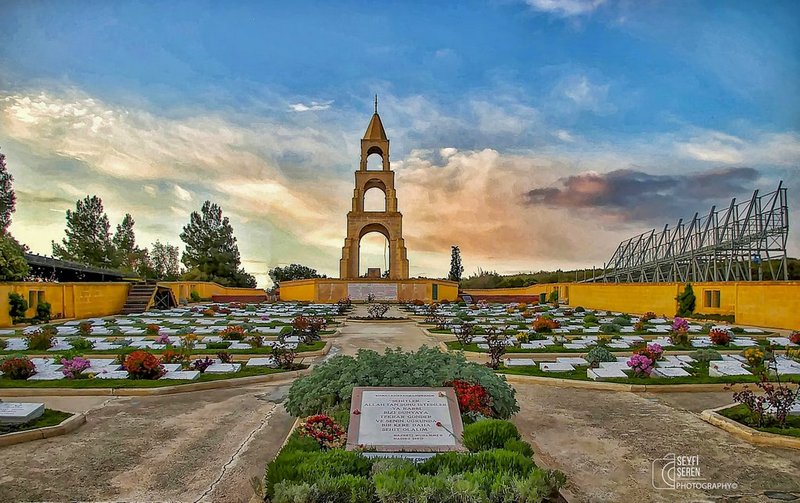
x: 771, y: 304
x: 331, y: 290
x: 184, y: 289
x: 67, y: 300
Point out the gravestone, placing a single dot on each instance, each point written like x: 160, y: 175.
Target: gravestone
x: 405, y: 421
x: 19, y: 413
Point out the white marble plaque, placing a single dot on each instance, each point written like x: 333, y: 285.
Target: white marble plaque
x: 405, y: 419
x: 19, y: 413
x: 381, y: 291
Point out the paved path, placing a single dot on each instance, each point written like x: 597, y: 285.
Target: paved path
x: 202, y: 446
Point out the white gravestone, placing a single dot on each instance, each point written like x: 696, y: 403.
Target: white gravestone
x: 405, y: 420
x: 19, y: 413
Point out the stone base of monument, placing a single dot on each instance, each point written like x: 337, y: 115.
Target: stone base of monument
x: 412, y: 423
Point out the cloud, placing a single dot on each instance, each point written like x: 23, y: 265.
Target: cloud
x: 181, y: 193
x: 311, y: 107
x: 630, y: 195
x: 782, y: 149
x: 565, y: 8
x: 579, y: 93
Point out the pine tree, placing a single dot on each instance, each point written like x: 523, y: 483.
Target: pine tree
x: 126, y: 255
x: 88, y: 240
x: 292, y: 272
x: 686, y: 301
x: 211, y: 252
x: 8, y: 200
x: 456, y: 269
x: 164, y: 261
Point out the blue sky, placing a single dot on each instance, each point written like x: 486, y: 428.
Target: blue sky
x: 259, y: 106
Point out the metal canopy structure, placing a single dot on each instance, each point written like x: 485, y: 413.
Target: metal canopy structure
x: 742, y: 242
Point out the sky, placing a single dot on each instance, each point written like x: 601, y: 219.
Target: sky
x: 534, y: 134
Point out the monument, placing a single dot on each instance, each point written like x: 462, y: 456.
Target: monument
x: 20, y: 412
x: 388, y: 222
x: 404, y: 422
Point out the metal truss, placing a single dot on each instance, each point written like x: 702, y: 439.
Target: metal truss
x: 744, y: 242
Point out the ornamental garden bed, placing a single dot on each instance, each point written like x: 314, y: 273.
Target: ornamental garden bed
x: 50, y: 417
x: 494, y: 464
x: 561, y: 348
x: 742, y: 415
x: 223, y: 346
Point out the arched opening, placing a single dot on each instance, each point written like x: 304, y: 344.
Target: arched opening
x: 373, y: 249
x: 374, y: 162
x: 374, y: 199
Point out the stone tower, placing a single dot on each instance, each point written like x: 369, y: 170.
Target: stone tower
x: 360, y: 222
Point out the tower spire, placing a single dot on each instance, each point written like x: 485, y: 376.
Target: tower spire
x: 376, y: 103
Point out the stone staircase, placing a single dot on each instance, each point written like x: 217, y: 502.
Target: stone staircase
x: 139, y: 297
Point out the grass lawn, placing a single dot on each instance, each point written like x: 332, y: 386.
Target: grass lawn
x: 456, y: 346
x: 301, y: 348
x: 50, y: 417
x: 741, y: 414
x: 700, y: 376
x: 136, y: 383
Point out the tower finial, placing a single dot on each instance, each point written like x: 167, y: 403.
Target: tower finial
x: 376, y: 103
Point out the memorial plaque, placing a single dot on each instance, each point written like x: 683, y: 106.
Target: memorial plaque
x: 381, y: 291
x: 405, y: 420
x: 19, y: 413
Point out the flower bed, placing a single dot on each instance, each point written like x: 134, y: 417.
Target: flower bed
x: 49, y: 417
x: 741, y: 414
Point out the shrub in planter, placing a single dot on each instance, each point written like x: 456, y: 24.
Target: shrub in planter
x: 706, y: 355
x: 489, y: 434
x: 609, y: 328
x: 19, y: 367
x: 224, y: 357
x: 324, y: 431
x: 85, y: 329
x: 43, y: 312
x: 202, y: 364
x: 720, y: 337
x: 544, y: 325
x: 332, y: 382
x: 284, y: 356
x: 40, y: 340
x: 599, y: 354
x: 17, y: 305
x: 233, y: 333
x: 73, y: 367
x: 590, y: 318
x: 81, y: 344
x: 143, y: 365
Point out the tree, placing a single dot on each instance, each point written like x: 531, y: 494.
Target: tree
x: 164, y: 261
x: 292, y: 272
x: 456, y: 269
x: 211, y: 253
x: 126, y: 254
x: 8, y: 200
x: 686, y: 301
x: 13, y: 266
x: 88, y: 240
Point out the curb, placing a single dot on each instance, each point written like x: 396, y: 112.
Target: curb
x: 746, y: 433
x: 406, y: 320
x: 620, y: 387
x: 68, y: 425
x: 165, y: 390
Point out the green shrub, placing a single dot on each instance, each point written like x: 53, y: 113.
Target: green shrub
x: 519, y: 446
x: 3, y: 343
x: 332, y: 382
x: 218, y: 345
x: 303, y: 465
x: 194, y: 296
x: 489, y: 434
x: 495, y: 460
x: 13, y: 266
x: 706, y: 355
x: 609, y: 328
x: 621, y: 321
x: 81, y: 344
x: 686, y: 301
x: 42, y: 339
x: 344, y: 489
x: 599, y: 354
x: 590, y: 318
x: 539, y: 485
x: 17, y: 305
x: 43, y: 312
x: 580, y: 309
x: 290, y: 492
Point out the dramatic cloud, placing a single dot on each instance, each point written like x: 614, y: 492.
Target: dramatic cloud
x: 634, y: 195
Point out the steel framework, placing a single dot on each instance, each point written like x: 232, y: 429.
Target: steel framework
x: 732, y: 244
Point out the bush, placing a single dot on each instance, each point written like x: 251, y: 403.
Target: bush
x: 544, y: 325
x: 794, y: 337
x: 218, y: 345
x: 85, y: 329
x: 489, y: 434
x: 344, y: 489
x: 498, y: 460
x: 580, y: 309
x: 174, y: 356
x: 43, y: 312
x: 598, y: 354
x: 202, y: 364
x: 686, y: 301
x: 233, y: 333
x: 143, y: 365
x: 194, y: 296
x: 621, y: 321
x: 519, y: 446
x: 17, y: 305
x: 590, y: 318
x: 81, y: 344
x: 609, y: 328
x: 13, y: 266
x: 284, y: 356
x: 17, y: 367
x: 324, y: 430
x: 3, y: 344
x: 706, y: 355
x: 300, y: 466
x: 73, y: 367
x: 720, y: 337
x: 472, y: 398
x: 224, y: 356
x: 332, y: 382
x: 41, y: 340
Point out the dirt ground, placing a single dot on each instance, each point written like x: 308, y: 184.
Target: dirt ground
x: 206, y: 446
